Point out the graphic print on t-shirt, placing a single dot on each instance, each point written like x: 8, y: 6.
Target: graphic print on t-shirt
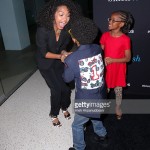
x: 91, y: 72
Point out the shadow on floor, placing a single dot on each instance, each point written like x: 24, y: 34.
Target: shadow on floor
x: 132, y: 132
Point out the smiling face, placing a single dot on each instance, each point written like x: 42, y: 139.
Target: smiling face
x: 115, y: 22
x: 61, y: 17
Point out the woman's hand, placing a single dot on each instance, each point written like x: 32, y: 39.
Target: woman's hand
x: 64, y: 54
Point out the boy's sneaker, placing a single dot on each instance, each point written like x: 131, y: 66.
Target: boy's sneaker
x: 72, y: 148
x: 103, y: 140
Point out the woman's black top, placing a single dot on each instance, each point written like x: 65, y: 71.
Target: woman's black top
x: 46, y: 42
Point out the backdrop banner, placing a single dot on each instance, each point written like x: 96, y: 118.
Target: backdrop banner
x: 138, y: 74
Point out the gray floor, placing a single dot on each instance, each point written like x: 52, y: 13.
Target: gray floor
x: 24, y: 120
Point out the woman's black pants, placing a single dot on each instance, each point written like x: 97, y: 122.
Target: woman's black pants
x: 60, y: 92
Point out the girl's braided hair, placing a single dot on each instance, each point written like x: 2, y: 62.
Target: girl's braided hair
x: 45, y: 17
x: 127, y: 18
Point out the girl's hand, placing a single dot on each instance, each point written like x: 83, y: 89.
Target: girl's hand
x: 108, y: 60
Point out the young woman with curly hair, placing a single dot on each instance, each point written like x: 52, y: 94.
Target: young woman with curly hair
x: 52, y: 38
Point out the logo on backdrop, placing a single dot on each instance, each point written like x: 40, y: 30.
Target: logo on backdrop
x: 123, y: 0
x: 136, y: 58
x: 131, y: 31
x: 128, y: 84
x: 146, y: 86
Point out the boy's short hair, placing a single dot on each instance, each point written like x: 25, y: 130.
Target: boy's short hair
x: 84, y: 30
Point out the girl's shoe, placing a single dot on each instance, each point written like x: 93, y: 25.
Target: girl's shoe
x: 56, y: 121
x: 66, y: 114
x: 119, y: 117
x: 118, y: 113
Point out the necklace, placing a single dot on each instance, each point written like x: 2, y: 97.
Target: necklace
x: 58, y: 31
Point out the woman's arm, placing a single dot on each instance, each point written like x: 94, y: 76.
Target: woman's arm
x: 41, y: 42
x: 53, y: 56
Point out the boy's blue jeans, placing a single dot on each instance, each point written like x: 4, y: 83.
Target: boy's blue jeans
x: 78, y: 130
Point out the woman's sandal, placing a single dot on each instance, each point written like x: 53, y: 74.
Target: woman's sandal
x: 66, y: 114
x: 56, y: 121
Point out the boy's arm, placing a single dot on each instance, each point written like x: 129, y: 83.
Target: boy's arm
x: 68, y: 74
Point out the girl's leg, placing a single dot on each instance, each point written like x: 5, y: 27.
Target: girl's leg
x: 118, y: 93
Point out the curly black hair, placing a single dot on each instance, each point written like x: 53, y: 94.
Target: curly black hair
x: 127, y: 18
x: 84, y: 30
x: 45, y: 17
